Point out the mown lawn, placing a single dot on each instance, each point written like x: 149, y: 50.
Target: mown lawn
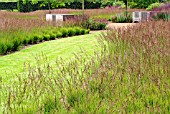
x: 64, y: 48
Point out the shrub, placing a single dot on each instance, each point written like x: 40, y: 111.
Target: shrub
x: 71, y: 32
x: 119, y: 4
x: 3, y: 48
x: 102, y: 26
x: 30, y: 39
x: 144, y: 3
x: 52, y: 35
x: 64, y: 32
x: 122, y: 18
x: 40, y: 37
x: 35, y: 39
x: 45, y: 31
x: 77, y: 31
x: 132, y: 4
x: 82, y: 31
x: 25, y: 40
x: 59, y: 34
x: 55, y: 31
x: 153, y: 6
x: 13, y: 40
x: 46, y: 37
x: 105, y: 4
x: 165, y: 7
x: 16, y: 44
x: 164, y: 16
x: 110, y: 19
x: 114, y: 18
x: 9, y: 46
x: 87, y: 31
x: 96, y: 24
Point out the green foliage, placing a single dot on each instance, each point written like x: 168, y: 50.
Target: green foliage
x: 122, y: 18
x: 35, y: 38
x: 95, y: 25
x: 40, y: 37
x: 57, y: 4
x: 46, y: 37
x: 77, y: 31
x: 51, y: 103
x: 52, y: 35
x: 152, y: 6
x: 16, y: 44
x: 13, y: 42
x: 119, y: 3
x: 132, y: 4
x: 130, y: 74
x: 8, y: 6
x: 82, y: 31
x: 144, y: 3
x: 59, y: 34
x: 25, y: 41
x: 71, y: 32
x: 64, y: 32
x: 162, y: 16
x: 32, y: 5
x: 3, y: 48
x: 9, y: 47
x: 87, y: 31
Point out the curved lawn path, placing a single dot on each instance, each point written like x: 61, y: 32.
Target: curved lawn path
x: 13, y: 63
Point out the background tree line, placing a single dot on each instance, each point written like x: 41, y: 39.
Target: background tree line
x: 32, y: 5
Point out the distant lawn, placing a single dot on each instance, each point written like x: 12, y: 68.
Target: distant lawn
x: 13, y: 63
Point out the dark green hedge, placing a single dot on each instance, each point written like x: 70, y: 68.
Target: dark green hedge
x: 87, y: 5
x: 8, y: 5
x: 28, y: 7
x: 73, y: 5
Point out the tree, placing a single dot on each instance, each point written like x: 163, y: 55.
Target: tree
x: 53, y: 2
x: 126, y: 3
x: 48, y: 2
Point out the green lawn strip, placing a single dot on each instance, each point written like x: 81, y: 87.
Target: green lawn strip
x: 13, y: 63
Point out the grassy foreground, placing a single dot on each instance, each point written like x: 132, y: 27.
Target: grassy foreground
x: 130, y: 74
x: 13, y: 63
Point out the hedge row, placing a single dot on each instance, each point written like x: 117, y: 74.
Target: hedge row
x: 27, y: 7
x: 8, y: 5
x: 13, y: 42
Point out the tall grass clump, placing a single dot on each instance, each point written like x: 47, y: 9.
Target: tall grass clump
x: 129, y: 75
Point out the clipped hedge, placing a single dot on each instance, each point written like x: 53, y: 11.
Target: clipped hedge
x: 13, y: 42
x: 8, y: 5
x: 40, y: 5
